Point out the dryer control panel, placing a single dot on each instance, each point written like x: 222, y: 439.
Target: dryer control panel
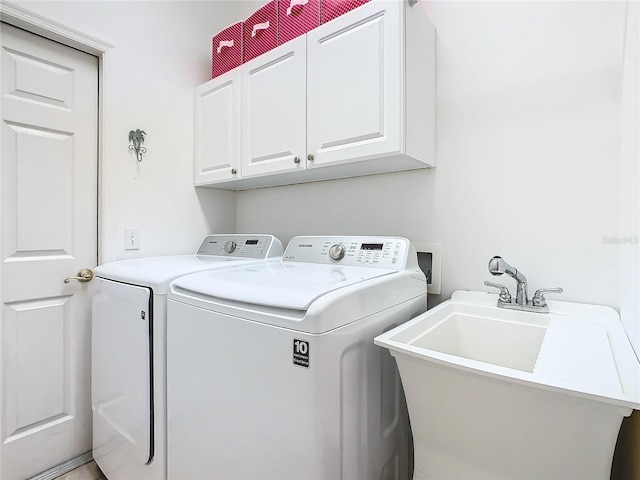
x: 241, y: 246
x: 378, y: 252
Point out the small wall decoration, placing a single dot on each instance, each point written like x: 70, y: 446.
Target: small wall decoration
x: 137, y: 139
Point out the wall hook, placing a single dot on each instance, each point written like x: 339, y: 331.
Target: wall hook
x: 137, y: 139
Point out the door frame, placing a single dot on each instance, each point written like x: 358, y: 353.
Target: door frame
x: 19, y: 17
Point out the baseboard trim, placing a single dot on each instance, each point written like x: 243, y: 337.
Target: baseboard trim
x: 63, y: 468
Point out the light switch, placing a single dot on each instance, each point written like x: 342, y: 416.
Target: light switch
x: 131, y: 238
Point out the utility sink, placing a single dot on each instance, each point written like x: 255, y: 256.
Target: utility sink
x: 504, y: 394
x: 581, y: 349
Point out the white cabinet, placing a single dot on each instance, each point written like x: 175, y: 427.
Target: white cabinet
x: 274, y: 110
x: 355, y: 96
x: 354, y: 91
x: 217, y: 130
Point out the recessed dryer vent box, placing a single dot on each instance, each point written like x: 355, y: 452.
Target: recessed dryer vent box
x: 430, y: 262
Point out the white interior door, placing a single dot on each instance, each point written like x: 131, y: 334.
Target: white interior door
x: 48, y: 231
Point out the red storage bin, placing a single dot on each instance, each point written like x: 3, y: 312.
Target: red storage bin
x: 261, y: 31
x: 297, y: 17
x: 330, y: 9
x: 226, y: 49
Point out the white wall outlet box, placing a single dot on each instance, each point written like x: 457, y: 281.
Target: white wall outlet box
x: 132, y: 239
x: 430, y: 261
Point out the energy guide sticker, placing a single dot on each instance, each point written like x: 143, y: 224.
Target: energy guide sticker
x: 301, y: 353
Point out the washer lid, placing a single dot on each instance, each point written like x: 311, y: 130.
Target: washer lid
x: 286, y: 285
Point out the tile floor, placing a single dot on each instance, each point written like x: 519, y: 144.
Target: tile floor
x: 88, y: 471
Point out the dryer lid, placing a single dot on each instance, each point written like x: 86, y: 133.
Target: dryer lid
x: 158, y: 272
x: 293, y: 286
x: 216, y: 251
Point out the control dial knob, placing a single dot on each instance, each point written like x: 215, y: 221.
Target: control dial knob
x: 336, y: 252
x: 230, y: 246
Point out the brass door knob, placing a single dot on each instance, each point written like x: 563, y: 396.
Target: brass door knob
x: 84, y: 275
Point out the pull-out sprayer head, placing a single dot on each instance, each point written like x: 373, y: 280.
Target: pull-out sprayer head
x: 496, y: 266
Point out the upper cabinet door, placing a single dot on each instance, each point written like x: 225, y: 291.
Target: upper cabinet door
x: 354, y: 86
x: 217, y: 129
x: 274, y: 111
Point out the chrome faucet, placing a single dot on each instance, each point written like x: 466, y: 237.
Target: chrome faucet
x: 497, y: 266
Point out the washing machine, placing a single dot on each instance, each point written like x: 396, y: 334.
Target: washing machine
x: 272, y: 370
x: 128, y: 368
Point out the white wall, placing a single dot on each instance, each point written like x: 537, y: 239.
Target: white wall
x: 162, y: 51
x: 630, y: 183
x: 531, y: 165
x: 529, y: 104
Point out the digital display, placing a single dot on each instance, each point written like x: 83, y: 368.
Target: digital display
x: 371, y: 246
x: 251, y: 242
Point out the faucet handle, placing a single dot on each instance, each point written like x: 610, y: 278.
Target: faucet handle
x: 505, y: 296
x: 538, y: 299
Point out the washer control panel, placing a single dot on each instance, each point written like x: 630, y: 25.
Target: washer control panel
x: 378, y: 252
x: 240, y: 246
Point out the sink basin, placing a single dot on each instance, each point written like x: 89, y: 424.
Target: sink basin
x: 498, y: 342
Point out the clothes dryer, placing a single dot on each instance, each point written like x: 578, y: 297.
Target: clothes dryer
x: 129, y: 347
x: 272, y: 370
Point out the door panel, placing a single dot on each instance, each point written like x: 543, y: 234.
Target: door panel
x: 37, y: 381
x: 217, y: 124
x: 41, y: 157
x: 274, y: 110
x: 353, y: 95
x: 48, y: 231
